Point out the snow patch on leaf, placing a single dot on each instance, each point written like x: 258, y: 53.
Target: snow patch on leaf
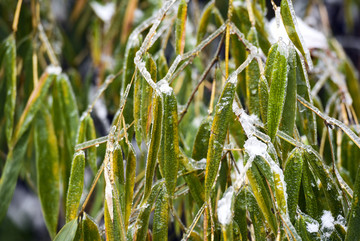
x: 224, y: 207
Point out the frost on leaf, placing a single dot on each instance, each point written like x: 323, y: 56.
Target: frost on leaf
x: 224, y: 207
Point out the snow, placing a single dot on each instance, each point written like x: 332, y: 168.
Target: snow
x: 224, y: 207
x: 254, y: 147
x: 327, y: 223
x: 104, y: 12
x: 313, y: 38
x: 312, y: 227
x: 164, y: 87
x: 52, y: 69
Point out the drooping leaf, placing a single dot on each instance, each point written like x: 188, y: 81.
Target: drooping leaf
x: 90, y: 229
x: 217, y: 137
x: 161, y: 214
x: 47, y: 167
x: 76, y: 183
x: 180, y: 27
x: 129, y: 183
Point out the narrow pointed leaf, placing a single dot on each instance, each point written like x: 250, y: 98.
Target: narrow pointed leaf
x: 293, y: 174
x: 180, y: 27
x: 277, y: 91
x: 161, y: 215
x: 142, y: 221
x: 10, y: 173
x: 10, y: 77
x: 91, y: 151
x: 270, y: 60
x: 154, y: 146
x: 47, y: 167
x: 76, y: 183
x: 218, y: 133
x: 90, y: 229
x: 67, y: 233
x: 252, y: 78
x: 129, y: 183
x: 170, y: 141
x: 290, y: 22
x: 201, y: 142
x: 204, y: 22
x: 354, y: 214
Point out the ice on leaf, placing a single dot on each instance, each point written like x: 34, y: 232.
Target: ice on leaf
x: 224, y: 207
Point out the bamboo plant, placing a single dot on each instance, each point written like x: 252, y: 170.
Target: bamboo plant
x: 214, y: 127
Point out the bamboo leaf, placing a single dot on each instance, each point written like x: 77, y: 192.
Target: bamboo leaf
x: 204, y: 21
x: 129, y: 183
x: 277, y: 91
x: 137, y: 108
x: 293, y: 174
x: 217, y: 137
x: 332, y: 193
x: 76, y: 183
x: 263, y: 98
x: 32, y: 106
x: 142, y: 221
x: 154, y: 146
x: 10, y: 173
x: 270, y: 60
x: 180, y: 27
x: 354, y: 214
x: 169, y: 141
x: 289, y: 19
x: 146, y: 96
x: 161, y: 214
x: 90, y: 229
x: 262, y: 196
x: 67, y: 233
x: 47, y: 167
x: 201, y: 142
x: 252, y: 78
x: 10, y: 77
x: 91, y: 151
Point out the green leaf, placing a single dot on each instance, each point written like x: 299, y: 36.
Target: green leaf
x: 204, y: 21
x: 91, y: 151
x: 332, y: 192
x: 146, y: 96
x: 180, y: 27
x: 309, y: 184
x: 219, y: 128
x: 76, y: 183
x: 90, y: 229
x: 270, y: 60
x: 153, y: 147
x: 354, y: 214
x: 67, y: 233
x: 262, y: 196
x: 277, y: 91
x: 201, y: 142
x: 252, y: 78
x: 292, y: 176
x: 10, y: 172
x: 287, y: 123
x: 47, y: 167
x: 169, y: 142
x: 113, y: 227
x: 161, y: 215
x: 129, y: 183
x: 137, y: 108
x: 10, y: 77
x: 142, y: 221
x: 289, y: 19
x: 36, y: 98
x: 263, y: 98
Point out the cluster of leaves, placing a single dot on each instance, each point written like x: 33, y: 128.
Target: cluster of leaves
x: 277, y: 157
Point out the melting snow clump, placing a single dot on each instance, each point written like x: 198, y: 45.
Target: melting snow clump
x: 164, y: 87
x: 327, y: 223
x: 312, y: 227
x: 51, y: 69
x: 224, y: 207
x: 254, y: 147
